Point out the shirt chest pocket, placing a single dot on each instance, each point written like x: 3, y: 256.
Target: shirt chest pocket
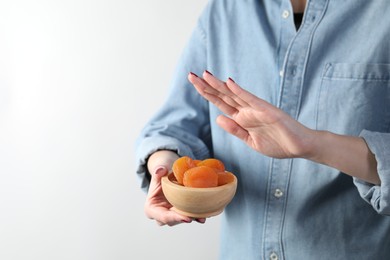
x: 353, y: 97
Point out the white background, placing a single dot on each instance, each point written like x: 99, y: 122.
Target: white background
x: 78, y: 80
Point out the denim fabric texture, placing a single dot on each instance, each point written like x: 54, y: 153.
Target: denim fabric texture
x: 332, y: 74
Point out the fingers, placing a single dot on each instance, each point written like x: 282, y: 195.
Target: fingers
x: 224, y: 89
x: 157, y: 207
x: 220, y: 100
x: 228, y: 96
x: 174, y: 220
x: 232, y: 127
x: 246, y: 97
x: 200, y: 220
x: 168, y: 217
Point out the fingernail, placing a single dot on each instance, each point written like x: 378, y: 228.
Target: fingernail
x: 201, y: 221
x: 193, y: 74
x: 232, y: 80
x: 208, y: 72
x: 186, y: 221
x: 160, y: 170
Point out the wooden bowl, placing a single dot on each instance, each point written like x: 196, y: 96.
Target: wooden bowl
x: 197, y: 202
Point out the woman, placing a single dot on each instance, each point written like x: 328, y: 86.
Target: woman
x: 312, y: 120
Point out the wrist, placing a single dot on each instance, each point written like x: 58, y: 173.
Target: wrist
x: 316, y: 145
x: 348, y: 154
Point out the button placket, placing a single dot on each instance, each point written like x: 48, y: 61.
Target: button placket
x: 294, y: 61
x: 292, y: 58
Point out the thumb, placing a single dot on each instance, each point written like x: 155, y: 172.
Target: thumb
x: 157, y: 174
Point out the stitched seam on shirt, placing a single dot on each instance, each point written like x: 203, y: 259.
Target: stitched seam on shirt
x: 307, y: 57
x: 282, y: 226
x: 358, y: 78
x: 202, y: 33
x: 267, y: 206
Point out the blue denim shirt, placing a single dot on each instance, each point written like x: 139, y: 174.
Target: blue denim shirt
x: 332, y: 74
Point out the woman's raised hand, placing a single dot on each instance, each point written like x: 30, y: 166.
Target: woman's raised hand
x: 261, y: 125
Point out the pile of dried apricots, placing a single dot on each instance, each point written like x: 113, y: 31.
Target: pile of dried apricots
x: 201, y: 173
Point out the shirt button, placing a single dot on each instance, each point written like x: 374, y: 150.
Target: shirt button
x: 273, y: 256
x: 278, y: 193
x: 285, y: 14
x: 281, y: 73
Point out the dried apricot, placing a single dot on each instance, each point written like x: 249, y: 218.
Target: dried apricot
x: 180, y: 166
x: 225, y: 177
x: 200, y: 177
x: 197, y: 161
x: 201, y: 173
x: 213, y: 163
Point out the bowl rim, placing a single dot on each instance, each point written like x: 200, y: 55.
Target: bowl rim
x: 168, y: 181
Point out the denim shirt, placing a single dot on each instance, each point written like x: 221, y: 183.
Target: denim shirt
x: 332, y: 74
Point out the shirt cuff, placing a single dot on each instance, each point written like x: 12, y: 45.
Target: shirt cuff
x: 377, y: 195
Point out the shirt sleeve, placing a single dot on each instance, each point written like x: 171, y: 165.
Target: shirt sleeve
x: 377, y: 195
x: 182, y: 124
